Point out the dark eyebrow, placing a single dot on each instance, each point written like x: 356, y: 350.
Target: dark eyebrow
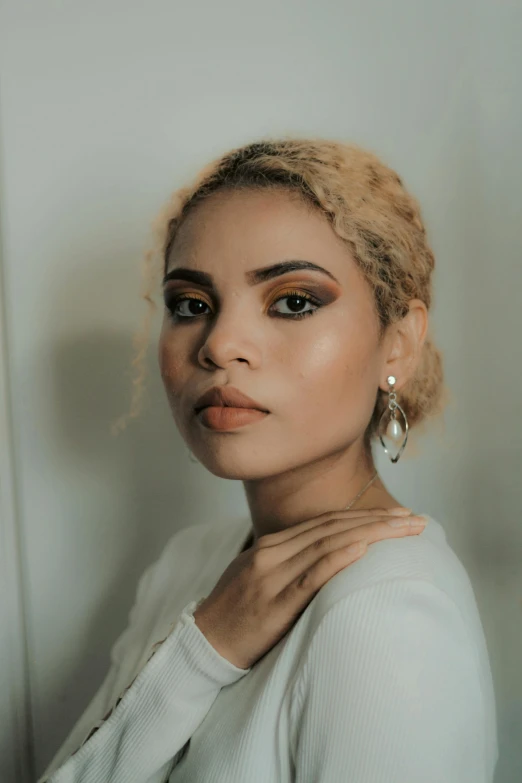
x: 253, y: 277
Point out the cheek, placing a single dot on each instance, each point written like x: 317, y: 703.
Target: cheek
x: 171, y: 360
x: 337, y: 375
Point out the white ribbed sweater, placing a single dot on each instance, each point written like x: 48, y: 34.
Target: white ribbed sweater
x: 384, y: 678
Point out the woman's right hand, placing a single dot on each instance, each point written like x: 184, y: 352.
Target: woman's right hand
x: 265, y: 589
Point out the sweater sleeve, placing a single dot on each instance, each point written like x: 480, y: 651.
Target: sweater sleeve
x: 141, y: 737
x: 390, y: 692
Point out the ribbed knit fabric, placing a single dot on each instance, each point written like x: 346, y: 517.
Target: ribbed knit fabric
x: 384, y: 678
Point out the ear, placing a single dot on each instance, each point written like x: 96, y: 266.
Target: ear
x: 404, y: 342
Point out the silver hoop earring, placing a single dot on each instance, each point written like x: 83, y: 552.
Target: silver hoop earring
x: 394, y: 430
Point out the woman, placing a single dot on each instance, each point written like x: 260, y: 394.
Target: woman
x: 297, y: 284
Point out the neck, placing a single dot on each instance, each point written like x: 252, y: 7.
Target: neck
x: 280, y: 501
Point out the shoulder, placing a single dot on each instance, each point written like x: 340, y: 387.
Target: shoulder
x: 409, y: 600
x: 425, y: 561
x: 404, y: 613
x: 164, y: 583
x: 185, y: 552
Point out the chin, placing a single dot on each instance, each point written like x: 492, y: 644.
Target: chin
x: 238, y: 464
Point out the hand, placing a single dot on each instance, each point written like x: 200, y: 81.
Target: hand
x: 264, y: 590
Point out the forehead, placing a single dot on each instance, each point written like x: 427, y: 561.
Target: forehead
x: 251, y: 228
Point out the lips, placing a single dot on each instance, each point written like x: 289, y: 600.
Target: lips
x: 228, y: 397
x: 223, y: 419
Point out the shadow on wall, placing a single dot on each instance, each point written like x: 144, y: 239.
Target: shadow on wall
x: 112, y: 502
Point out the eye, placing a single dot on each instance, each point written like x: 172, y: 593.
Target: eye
x: 298, y: 299
x: 193, y: 309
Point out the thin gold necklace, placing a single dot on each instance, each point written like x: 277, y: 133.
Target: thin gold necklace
x: 363, y: 490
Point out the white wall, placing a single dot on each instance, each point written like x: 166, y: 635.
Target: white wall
x: 106, y: 107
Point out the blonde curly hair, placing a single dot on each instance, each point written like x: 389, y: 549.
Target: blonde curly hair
x: 366, y: 204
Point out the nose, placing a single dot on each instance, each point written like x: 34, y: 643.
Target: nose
x: 232, y: 336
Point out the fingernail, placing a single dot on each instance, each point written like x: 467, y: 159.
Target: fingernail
x: 399, y: 510
x: 416, y: 521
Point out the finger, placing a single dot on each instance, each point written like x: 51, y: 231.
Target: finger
x: 309, y: 534
x: 299, y: 591
x: 316, y: 544
x: 377, y: 531
x: 368, y: 514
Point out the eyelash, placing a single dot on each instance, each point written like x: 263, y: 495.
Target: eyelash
x: 172, y: 304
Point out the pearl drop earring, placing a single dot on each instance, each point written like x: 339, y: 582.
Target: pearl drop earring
x: 394, y: 430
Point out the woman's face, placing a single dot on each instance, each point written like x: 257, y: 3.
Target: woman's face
x: 317, y: 374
